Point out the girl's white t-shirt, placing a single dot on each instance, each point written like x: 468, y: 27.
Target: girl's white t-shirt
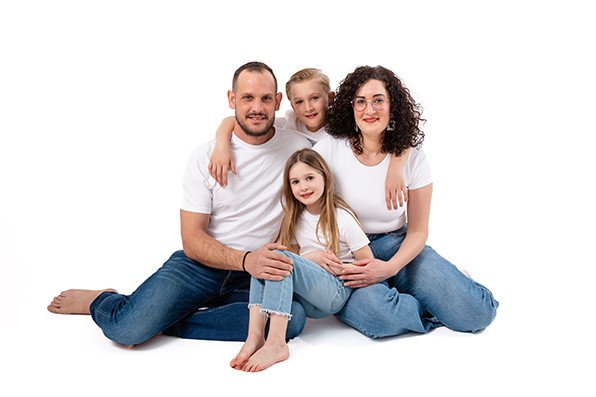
x: 363, y: 187
x: 351, y: 235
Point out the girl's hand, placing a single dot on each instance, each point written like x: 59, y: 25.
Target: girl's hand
x: 365, y: 272
x: 326, y: 259
x: 220, y: 162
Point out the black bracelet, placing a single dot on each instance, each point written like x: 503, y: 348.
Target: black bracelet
x: 244, y: 260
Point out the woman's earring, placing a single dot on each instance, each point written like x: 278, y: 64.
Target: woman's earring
x: 356, y: 128
x: 391, y: 125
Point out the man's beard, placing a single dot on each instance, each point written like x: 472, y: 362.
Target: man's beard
x: 253, y: 132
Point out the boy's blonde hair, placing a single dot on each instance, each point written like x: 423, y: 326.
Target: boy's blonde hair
x: 327, y: 223
x: 306, y: 75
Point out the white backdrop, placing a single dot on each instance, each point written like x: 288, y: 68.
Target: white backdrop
x: 101, y: 103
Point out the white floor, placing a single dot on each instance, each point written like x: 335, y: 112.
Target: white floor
x: 100, y: 104
x: 54, y: 355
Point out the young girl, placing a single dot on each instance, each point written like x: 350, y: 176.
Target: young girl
x: 309, y: 93
x: 315, y: 220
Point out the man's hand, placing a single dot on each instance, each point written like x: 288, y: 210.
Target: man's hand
x: 365, y: 272
x: 268, y: 265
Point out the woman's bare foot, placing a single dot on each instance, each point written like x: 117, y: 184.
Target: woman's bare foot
x: 265, y: 357
x: 245, y: 352
x: 75, y: 301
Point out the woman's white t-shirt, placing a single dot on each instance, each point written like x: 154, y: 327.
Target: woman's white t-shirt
x: 351, y: 235
x: 363, y: 187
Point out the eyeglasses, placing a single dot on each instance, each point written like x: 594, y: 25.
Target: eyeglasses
x: 379, y: 103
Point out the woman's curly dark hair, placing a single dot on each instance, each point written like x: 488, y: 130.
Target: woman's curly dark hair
x: 405, y: 113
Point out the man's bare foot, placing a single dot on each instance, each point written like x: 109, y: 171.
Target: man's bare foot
x: 245, y: 352
x: 75, y: 301
x: 269, y: 354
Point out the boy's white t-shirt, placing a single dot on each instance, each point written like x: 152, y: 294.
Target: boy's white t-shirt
x: 292, y: 123
x: 247, y: 213
x: 351, y: 235
x: 363, y: 187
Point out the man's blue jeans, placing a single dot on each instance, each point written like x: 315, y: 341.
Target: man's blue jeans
x: 321, y: 293
x: 428, y: 292
x: 171, y: 301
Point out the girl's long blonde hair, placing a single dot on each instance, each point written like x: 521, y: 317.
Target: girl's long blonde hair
x: 327, y: 224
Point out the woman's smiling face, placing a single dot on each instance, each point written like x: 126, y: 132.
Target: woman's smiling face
x: 374, y: 118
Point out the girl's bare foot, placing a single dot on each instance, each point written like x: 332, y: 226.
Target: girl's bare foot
x: 75, y: 301
x: 245, y: 352
x: 269, y: 354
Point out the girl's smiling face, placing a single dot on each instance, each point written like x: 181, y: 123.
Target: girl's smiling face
x: 308, y: 186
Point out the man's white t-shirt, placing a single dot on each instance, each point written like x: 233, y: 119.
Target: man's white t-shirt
x: 292, y: 123
x: 247, y: 213
x: 351, y: 235
x: 363, y: 187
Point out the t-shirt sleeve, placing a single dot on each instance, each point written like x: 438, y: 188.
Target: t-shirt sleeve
x: 351, y: 232
x: 197, y: 184
x: 419, y: 170
x: 281, y: 122
x: 289, y: 122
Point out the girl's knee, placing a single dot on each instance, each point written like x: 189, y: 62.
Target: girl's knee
x: 289, y: 254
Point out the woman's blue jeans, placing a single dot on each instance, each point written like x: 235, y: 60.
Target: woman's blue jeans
x: 428, y: 292
x: 321, y: 293
x: 172, y: 301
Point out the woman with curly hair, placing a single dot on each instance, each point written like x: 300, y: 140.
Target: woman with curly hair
x: 408, y: 286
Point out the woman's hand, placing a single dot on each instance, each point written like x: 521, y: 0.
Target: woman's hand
x: 365, y: 272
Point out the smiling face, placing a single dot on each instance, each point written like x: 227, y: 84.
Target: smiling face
x: 308, y: 186
x: 310, y: 102
x: 374, y: 118
x: 255, y: 101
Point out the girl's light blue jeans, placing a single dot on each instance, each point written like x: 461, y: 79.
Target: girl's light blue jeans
x: 172, y: 301
x: 427, y: 293
x: 321, y: 293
